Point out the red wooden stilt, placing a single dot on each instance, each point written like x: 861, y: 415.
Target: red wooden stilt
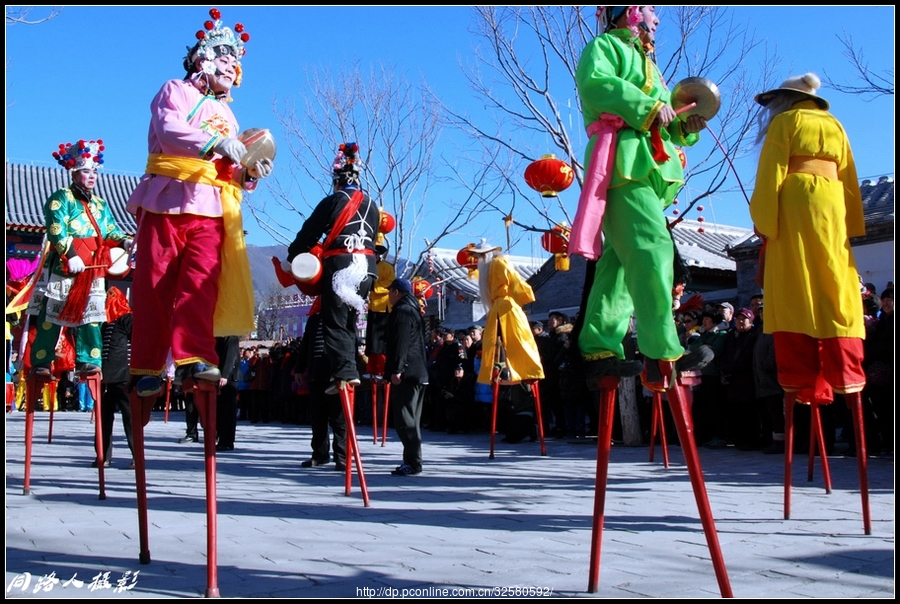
x: 788, y: 449
x: 387, y: 399
x: 93, y: 383
x: 51, y: 394
x: 374, y: 390
x: 141, y: 406
x: 658, y: 424
x: 347, y: 399
x: 854, y: 401
x: 608, y: 387
x: 817, y: 436
x: 496, y: 390
x: 540, y: 420
x: 34, y: 385
x: 168, y: 398
x: 679, y: 402
x: 205, y: 401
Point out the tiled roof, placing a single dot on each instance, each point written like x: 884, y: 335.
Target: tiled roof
x: 28, y: 187
x: 707, y: 249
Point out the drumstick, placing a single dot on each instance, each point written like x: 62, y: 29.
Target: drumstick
x: 685, y: 108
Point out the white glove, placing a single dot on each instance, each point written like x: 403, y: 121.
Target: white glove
x: 231, y: 148
x: 75, y: 265
x: 261, y: 169
x: 286, y: 266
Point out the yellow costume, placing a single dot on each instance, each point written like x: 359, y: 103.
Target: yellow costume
x: 508, y: 292
x: 807, y: 203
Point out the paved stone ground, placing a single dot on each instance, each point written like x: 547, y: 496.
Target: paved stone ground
x: 520, y: 520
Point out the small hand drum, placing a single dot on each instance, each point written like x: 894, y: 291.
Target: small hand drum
x: 119, y: 265
x: 260, y: 145
x: 307, y: 270
x: 696, y: 90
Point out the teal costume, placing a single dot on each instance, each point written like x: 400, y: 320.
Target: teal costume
x: 67, y: 221
x: 634, y: 275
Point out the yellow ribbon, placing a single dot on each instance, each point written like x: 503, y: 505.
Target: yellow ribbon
x: 234, y: 308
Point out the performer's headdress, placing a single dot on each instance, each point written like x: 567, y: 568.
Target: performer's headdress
x: 802, y: 86
x: 607, y: 16
x: 346, y: 165
x: 215, y: 40
x: 83, y: 155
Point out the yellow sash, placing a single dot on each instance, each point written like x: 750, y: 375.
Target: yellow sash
x: 234, y: 308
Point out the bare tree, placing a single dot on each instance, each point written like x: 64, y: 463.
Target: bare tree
x: 22, y: 15
x: 397, y: 128
x: 524, y: 71
x: 871, y: 84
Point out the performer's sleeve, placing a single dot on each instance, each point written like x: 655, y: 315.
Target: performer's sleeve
x: 603, y: 90
x: 313, y: 229
x: 57, y: 213
x: 770, y: 175
x: 113, y: 232
x: 169, y: 120
x: 679, y: 137
x: 856, y: 223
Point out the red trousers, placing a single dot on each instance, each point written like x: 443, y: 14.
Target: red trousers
x: 175, y: 289
x: 803, y: 361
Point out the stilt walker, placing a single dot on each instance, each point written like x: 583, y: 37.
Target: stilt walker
x: 192, y: 278
x: 508, y: 339
x: 806, y: 206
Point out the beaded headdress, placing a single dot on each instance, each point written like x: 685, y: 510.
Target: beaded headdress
x: 83, y: 155
x: 346, y: 163
x: 214, y: 35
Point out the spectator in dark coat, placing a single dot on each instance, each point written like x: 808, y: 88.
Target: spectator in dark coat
x: 743, y: 416
x: 408, y: 371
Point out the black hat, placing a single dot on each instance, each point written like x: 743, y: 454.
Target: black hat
x: 537, y: 325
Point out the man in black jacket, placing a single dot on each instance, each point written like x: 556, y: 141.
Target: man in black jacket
x: 408, y: 371
x: 116, y: 351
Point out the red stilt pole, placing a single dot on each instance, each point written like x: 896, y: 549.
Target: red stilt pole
x: 608, y: 388
x: 658, y: 425
x: 374, y: 389
x: 168, y: 398
x: 51, y: 394
x: 93, y: 384
x: 34, y: 385
x: 205, y: 401
x: 540, y: 420
x: 140, y: 417
x: 679, y: 403
x: 347, y: 399
x: 496, y: 390
x: 387, y: 399
x: 854, y: 401
x: 816, y: 435
x: 788, y: 449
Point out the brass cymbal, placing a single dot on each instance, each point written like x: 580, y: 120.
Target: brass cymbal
x: 260, y: 145
x: 700, y: 91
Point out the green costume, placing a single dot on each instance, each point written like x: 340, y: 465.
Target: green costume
x: 634, y: 275
x: 67, y: 221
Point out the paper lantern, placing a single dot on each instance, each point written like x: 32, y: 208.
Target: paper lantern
x: 386, y: 222
x: 422, y: 288
x: 549, y: 175
x: 556, y: 241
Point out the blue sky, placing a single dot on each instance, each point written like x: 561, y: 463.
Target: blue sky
x: 92, y: 71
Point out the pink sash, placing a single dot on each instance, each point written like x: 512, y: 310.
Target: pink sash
x: 586, y: 237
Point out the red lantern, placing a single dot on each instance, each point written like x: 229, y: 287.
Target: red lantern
x: 556, y: 240
x: 386, y: 222
x: 422, y: 288
x: 549, y: 175
x: 465, y: 259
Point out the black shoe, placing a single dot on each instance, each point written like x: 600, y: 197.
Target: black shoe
x: 189, y: 439
x: 223, y: 447
x: 41, y: 371
x: 340, y: 466
x: 612, y: 367
x: 106, y: 463
x: 696, y: 359
x: 776, y: 447
x: 405, y: 470
x: 87, y: 369
x: 313, y: 462
x: 196, y: 371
